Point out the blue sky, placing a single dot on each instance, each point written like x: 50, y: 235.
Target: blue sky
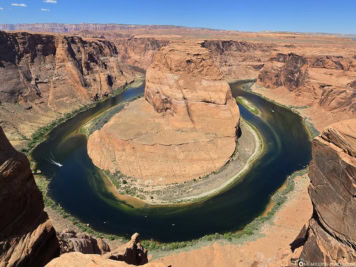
x: 335, y: 16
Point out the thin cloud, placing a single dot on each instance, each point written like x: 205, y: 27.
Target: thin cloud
x: 50, y: 1
x: 45, y: 10
x: 1, y: 8
x: 21, y: 5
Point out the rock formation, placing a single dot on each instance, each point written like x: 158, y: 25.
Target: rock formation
x: 239, y: 60
x: 27, y: 238
x: 326, y: 80
x: 330, y: 236
x: 44, y: 76
x: 132, y: 253
x: 185, y: 127
x: 76, y: 259
x: 138, y: 51
x: 70, y: 241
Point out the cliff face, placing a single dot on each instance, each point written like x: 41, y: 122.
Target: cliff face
x: 139, y: 51
x: 184, y: 128
x: 48, y: 75
x: 63, y: 68
x: 27, y: 237
x: 326, y: 80
x: 239, y: 60
x: 331, y: 236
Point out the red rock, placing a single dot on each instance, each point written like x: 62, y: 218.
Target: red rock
x: 27, y: 237
x: 331, y: 235
x: 184, y: 128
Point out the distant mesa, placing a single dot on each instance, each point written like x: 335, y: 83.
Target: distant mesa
x: 185, y: 127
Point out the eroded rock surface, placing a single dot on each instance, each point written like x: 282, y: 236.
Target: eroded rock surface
x: 70, y: 241
x: 27, y: 237
x: 131, y: 253
x: 331, y: 236
x: 44, y: 76
x: 75, y: 259
x: 328, y: 81
x: 185, y: 127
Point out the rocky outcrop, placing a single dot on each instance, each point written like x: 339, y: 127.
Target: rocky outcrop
x: 44, y: 76
x: 327, y: 81
x: 138, y: 51
x: 184, y: 128
x: 27, y: 238
x: 330, y: 236
x: 131, y: 253
x: 239, y: 60
x: 70, y: 241
x: 76, y: 259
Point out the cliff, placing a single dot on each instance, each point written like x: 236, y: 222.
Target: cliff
x: 328, y: 81
x: 138, y: 51
x: 184, y: 128
x: 44, y: 76
x: 330, y: 236
x: 27, y: 237
x: 239, y: 60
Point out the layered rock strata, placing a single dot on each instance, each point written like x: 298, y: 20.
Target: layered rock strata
x: 44, y: 76
x: 70, y: 241
x: 27, y: 237
x: 184, y: 128
x: 328, y: 81
x: 330, y: 236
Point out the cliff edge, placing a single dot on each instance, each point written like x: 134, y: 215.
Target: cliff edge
x: 330, y: 236
x: 27, y: 237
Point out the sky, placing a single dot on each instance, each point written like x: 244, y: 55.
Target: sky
x: 330, y: 16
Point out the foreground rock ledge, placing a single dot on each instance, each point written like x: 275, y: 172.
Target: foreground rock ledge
x: 184, y: 128
x: 27, y: 237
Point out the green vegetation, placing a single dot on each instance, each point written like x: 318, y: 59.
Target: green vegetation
x: 313, y: 132
x: 248, y: 105
x: 41, y: 134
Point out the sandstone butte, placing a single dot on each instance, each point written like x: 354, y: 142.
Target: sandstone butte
x: 185, y: 127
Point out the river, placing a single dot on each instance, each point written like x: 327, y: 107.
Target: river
x: 79, y: 188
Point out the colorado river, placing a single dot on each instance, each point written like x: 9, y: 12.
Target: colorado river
x: 79, y: 188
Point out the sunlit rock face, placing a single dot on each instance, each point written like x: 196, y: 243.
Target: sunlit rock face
x: 27, y: 237
x: 331, y: 236
x: 184, y: 127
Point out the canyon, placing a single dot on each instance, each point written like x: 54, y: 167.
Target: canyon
x: 45, y: 76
